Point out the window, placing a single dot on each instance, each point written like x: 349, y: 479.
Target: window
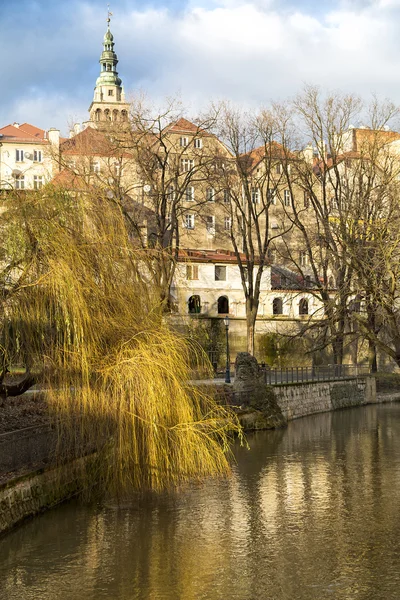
x: 271, y: 196
x: 227, y: 196
x: 220, y: 273
x: 279, y: 169
x: 37, y: 155
x: 210, y: 194
x: 255, y: 195
x: 19, y: 155
x: 198, y: 143
x: 189, y: 221
x: 111, y: 92
x: 287, y: 197
x: 192, y: 272
x: 307, y: 199
x: 274, y: 225
x: 334, y: 203
x: 223, y: 305
x: 117, y: 169
x: 20, y: 182
x: 277, y: 306
x: 183, y: 142
x: 210, y: 224
x: 95, y: 166
x: 227, y: 223
x: 303, y: 307
x: 303, y: 258
x: 171, y: 193
x: 194, y: 304
x: 186, y: 165
x: 37, y: 182
x: 189, y: 194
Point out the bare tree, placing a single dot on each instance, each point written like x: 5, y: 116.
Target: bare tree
x: 251, y: 183
x: 341, y: 180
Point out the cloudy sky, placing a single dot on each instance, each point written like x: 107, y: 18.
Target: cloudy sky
x: 251, y: 52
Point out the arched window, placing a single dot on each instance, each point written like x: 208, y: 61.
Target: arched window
x: 107, y: 114
x: 115, y: 115
x: 223, y: 305
x: 108, y: 67
x: 194, y: 304
x: 124, y: 115
x: 97, y: 114
x: 277, y: 307
x: 303, y: 306
x: 331, y: 282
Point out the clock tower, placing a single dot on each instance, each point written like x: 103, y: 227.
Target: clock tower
x: 109, y: 99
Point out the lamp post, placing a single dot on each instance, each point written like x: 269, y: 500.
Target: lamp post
x: 228, y: 360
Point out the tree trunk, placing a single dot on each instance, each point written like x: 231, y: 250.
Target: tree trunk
x: 251, y: 326
x: 15, y: 389
x: 373, y: 363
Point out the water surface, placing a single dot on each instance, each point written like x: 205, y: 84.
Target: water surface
x: 311, y: 512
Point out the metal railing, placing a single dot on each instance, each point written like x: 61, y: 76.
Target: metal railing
x: 25, y: 450
x: 276, y: 376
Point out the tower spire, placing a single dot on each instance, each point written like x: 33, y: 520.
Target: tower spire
x: 109, y: 99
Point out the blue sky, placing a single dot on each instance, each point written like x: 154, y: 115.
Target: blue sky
x: 251, y: 52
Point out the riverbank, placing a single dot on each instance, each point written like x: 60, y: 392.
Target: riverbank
x: 25, y: 495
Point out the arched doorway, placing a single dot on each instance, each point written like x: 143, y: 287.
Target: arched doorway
x: 194, y: 305
x: 223, y: 305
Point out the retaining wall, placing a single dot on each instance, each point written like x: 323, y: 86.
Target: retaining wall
x: 36, y: 492
x: 301, y: 399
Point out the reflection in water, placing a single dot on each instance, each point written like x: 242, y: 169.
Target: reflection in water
x: 311, y: 512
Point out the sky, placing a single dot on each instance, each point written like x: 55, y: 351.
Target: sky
x: 250, y: 52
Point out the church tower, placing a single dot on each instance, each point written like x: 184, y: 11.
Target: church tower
x: 109, y: 99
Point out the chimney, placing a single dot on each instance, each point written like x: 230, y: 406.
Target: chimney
x: 308, y: 153
x: 16, y: 125
x: 77, y: 128
x: 53, y: 135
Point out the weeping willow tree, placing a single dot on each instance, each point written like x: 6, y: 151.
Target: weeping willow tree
x: 80, y: 315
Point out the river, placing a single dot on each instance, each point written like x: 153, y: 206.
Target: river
x: 310, y: 512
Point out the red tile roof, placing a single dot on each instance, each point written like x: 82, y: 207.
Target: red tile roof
x: 90, y: 142
x: 32, y: 130
x: 68, y: 180
x: 185, y: 126
x: 276, y: 151
x: 209, y: 256
x: 23, y: 133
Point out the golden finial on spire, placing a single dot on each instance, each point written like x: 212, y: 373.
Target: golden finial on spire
x: 109, y: 15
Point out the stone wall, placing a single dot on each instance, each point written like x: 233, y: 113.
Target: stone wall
x: 301, y: 399
x: 36, y: 492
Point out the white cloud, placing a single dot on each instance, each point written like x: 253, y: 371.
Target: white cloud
x: 248, y: 52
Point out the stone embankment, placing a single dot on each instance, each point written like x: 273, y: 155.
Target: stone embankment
x: 258, y: 407
x: 265, y: 407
